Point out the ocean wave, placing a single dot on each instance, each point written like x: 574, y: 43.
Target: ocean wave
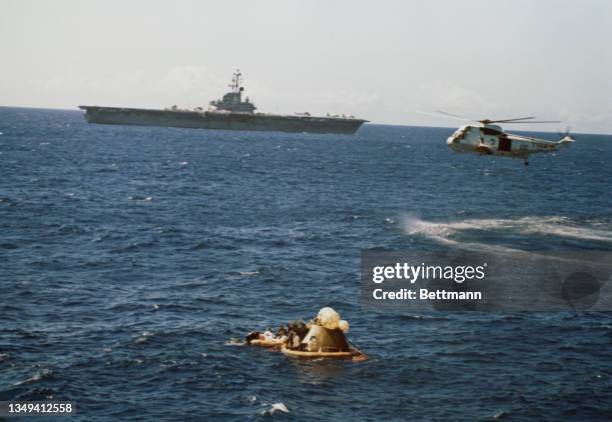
x: 44, y: 374
x: 141, y: 198
x: 7, y: 245
x: 201, y: 245
x: 135, y: 246
x: 7, y: 201
x: 144, y: 337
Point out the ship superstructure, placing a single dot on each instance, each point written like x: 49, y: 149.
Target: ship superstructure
x: 232, y: 101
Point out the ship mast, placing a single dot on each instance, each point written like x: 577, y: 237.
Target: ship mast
x: 236, y: 81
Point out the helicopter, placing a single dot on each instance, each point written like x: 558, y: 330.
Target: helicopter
x: 488, y: 138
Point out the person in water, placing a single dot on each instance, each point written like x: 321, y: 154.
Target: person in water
x: 281, y: 335
x: 297, y: 331
x: 291, y: 336
x: 253, y: 335
x: 268, y: 336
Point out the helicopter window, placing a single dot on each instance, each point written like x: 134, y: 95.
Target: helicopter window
x: 489, y: 131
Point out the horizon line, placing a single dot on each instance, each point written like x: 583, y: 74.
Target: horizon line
x: 76, y: 109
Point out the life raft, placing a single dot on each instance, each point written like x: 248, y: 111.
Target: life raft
x: 265, y: 343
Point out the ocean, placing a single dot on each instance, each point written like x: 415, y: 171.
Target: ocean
x: 131, y: 256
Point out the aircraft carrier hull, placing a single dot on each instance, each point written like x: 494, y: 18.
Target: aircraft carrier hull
x: 220, y: 120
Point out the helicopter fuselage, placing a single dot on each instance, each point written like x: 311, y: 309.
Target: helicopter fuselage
x: 491, y: 140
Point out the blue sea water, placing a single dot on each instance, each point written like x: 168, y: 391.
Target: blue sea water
x: 130, y: 256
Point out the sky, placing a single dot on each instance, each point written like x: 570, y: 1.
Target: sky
x: 386, y: 61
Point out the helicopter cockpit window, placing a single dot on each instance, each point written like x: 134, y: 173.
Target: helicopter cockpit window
x: 489, y: 131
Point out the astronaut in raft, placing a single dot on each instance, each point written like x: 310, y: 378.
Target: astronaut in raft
x: 324, y: 336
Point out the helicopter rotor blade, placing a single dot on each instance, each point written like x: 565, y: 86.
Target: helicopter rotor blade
x: 444, y: 114
x: 511, y: 120
x: 456, y: 116
x: 487, y: 121
x: 534, y: 121
x: 428, y: 113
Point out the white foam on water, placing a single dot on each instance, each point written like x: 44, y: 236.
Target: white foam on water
x: 441, y: 232
x: 276, y: 407
x: 280, y: 407
x: 141, y: 198
x: 36, y: 377
x: 143, y: 337
x: 586, y: 233
x: 554, y: 226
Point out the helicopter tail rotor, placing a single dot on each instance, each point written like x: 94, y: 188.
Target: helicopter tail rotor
x: 566, y: 138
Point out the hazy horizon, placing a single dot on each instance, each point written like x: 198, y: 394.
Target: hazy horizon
x: 380, y: 61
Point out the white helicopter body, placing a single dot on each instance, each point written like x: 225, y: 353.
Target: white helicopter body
x: 489, y: 139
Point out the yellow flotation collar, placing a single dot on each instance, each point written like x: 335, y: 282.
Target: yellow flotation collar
x: 304, y: 354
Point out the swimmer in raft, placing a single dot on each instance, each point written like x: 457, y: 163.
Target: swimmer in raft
x: 267, y: 339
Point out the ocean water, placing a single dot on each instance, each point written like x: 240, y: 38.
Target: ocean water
x: 130, y: 256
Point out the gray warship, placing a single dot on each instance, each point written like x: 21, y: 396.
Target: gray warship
x: 228, y: 113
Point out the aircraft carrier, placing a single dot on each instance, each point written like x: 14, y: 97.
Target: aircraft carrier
x: 228, y: 113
